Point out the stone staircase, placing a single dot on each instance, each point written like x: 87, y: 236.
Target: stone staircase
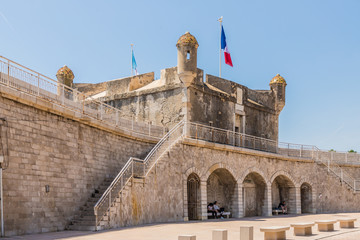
x: 85, y: 220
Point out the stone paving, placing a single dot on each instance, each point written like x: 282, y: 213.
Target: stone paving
x: 203, y: 229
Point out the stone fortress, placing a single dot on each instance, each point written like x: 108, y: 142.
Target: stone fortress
x: 138, y: 150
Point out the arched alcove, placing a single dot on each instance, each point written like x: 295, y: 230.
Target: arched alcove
x: 193, y: 197
x: 283, y: 189
x: 254, y: 187
x: 306, y: 198
x: 221, y: 188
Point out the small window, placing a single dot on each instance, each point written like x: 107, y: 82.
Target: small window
x: 188, y: 55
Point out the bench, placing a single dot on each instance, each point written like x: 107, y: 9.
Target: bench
x: 276, y: 211
x: 227, y: 214
x: 325, y: 225
x: 302, y: 229
x: 274, y: 233
x: 347, y: 222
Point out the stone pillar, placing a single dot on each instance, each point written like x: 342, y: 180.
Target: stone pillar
x: 219, y: 234
x: 186, y: 213
x: 298, y: 200
x: 267, y: 211
x: 239, y: 204
x: 187, y: 237
x: 203, y: 195
x: 246, y: 233
x: 313, y: 201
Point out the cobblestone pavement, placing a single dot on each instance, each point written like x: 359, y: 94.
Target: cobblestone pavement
x: 203, y: 229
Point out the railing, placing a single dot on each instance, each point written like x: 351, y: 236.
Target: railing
x: 329, y: 159
x: 222, y: 136
x: 23, y: 79
x: 162, y: 146
x: 332, y: 166
x: 135, y: 168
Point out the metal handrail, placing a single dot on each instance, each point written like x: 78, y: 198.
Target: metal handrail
x: 146, y: 166
x: 16, y: 76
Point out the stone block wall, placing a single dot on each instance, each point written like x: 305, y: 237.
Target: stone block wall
x: 70, y: 157
x: 162, y: 197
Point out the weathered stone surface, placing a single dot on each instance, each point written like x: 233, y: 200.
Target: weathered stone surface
x: 146, y: 203
x: 71, y: 157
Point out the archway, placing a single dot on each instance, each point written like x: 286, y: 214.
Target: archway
x: 254, y: 187
x: 193, y: 194
x: 221, y: 188
x: 283, y: 189
x: 306, y: 198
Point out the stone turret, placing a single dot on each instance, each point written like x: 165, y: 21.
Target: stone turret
x: 187, y: 58
x: 65, y: 76
x: 278, y: 85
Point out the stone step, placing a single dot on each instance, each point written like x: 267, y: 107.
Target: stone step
x: 81, y: 228
x: 84, y: 223
x: 86, y: 218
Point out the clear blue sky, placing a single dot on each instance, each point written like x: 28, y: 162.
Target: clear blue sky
x: 314, y: 44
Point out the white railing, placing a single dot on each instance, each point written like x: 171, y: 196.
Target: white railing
x: 329, y: 159
x: 25, y: 80
x: 135, y: 168
x: 332, y: 166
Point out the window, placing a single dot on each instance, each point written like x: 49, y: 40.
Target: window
x: 188, y: 55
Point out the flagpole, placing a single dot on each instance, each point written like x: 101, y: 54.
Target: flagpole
x: 220, y: 20
x: 132, y: 70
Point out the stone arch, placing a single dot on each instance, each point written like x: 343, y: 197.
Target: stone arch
x: 307, y: 196
x: 192, y: 194
x: 218, y: 166
x: 241, y: 179
x: 282, y: 172
x: 283, y: 188
x: 221, y: 186
x: 254, y: 192
x: 190, y: 171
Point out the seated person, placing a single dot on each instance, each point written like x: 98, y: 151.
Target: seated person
x: 282, y: 206
x: 218, y: 210
x: 210, y: 209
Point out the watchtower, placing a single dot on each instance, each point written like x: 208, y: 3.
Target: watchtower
x: 278, y: 85
x: 187, y: 58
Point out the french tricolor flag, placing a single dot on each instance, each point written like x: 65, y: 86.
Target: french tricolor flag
x: 225, y: 48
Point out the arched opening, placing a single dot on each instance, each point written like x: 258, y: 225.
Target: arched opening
x: 254, y: 195
x: 193, y: 194
x: 306, y: 198
x: 221, y: 188
x: 283, y: 189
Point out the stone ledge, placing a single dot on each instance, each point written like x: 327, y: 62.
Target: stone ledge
x: 223, y: 147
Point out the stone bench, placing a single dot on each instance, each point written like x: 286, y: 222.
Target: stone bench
x: 274, y: 233
x: 302, y: 229
x: 276, y: 211
x: 325, y: 225
x: 347, y: 222
x: 227, y: 214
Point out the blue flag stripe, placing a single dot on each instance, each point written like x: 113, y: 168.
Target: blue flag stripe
x: 134, y: 66
x: 223, y: 38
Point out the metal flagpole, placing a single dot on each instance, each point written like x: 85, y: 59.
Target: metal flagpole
x: 132, y: 54
x: 220, y: 20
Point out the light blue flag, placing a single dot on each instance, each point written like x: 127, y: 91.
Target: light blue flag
x: 134, y: 65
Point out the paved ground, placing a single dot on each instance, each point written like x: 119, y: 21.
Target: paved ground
x: 203, y: 230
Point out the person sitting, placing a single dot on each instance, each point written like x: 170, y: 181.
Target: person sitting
x: 282, y: 206
x: 210, y: 209
x: 218, y: 210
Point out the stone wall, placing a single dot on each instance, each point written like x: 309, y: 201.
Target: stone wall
x: 117, y: 86
x: 70, y: 157
x: 161, y: 106
x: 162, y: 197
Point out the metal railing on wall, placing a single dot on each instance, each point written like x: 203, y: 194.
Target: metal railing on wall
x: 135, y: 168
x: 25, y: 80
